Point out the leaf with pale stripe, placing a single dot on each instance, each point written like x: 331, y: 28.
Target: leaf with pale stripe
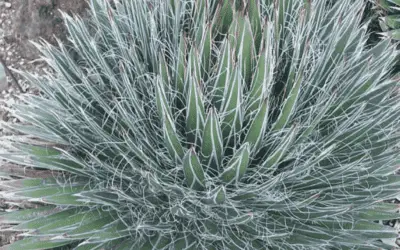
x: 195, y: 114
x: 216, y: 196
x: 237, y: 166
x: 223, y: 75
x: 194, y: 173
x: 212, y: 144
x: 232, y: 107
x: 258, y: 127
x: 171, y: 139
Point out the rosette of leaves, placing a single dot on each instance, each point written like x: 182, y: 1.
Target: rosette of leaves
x: 211, y: 125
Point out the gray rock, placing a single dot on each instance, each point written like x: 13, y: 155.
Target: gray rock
x: 35, y: 19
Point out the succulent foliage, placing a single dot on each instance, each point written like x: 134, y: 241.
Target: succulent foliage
x: 389, y: 17
x: 207, y: 124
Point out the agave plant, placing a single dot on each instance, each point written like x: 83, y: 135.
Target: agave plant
x: 389, y: 17
x: 211, y: 125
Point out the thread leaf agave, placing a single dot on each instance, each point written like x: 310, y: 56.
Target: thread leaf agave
x: 212, y: 125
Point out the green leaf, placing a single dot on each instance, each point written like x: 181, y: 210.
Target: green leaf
x: 394, y: 34
x: 194, y: 173
x: 280, y: 151
x: 156, y: 243
x: 161, y: 99
x: 212, y: 145
x: 66, y: 224
x: 258, y: 127
x: 91, y: 228
x: 164, y: 70
x: 374, y: 215
x: 185, y: 242
x: 52, y: 159
x: 35, y: 190
x: 65, y: 199
x: 195, y: 113
x: 127, y: 244
x: 206, y: 46
x: 289, y: 105
x: 194, y: 69
x: 182, y: 212
x: 48, y: 191
x: 344, y: 39
x: 112, y: 233
x: 39, y: 151
x: 262, y: 81
x: 88, y: 246
x: 43, y: 221
x: 210, y: 226
x: 316, y: 120
x: 255, y: 20
x: 392, y: 21
x: 223, y: 18
x: 242, y: 219
x: 28, y: 183
x: 244, y: 196
x: 232, y: 107
x: 283, y: 11
x: 237, y: 166
x: 180, y: 72
x: 245, y: 48
x: 171, y: 139
x: 236, y: 242
x: 216, y: 196
x: 27, y: 214
x: 36, y: 244
x: 222, y: 78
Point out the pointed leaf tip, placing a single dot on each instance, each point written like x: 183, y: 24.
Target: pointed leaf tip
x: 193, y: 170
x: 237, y: 166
